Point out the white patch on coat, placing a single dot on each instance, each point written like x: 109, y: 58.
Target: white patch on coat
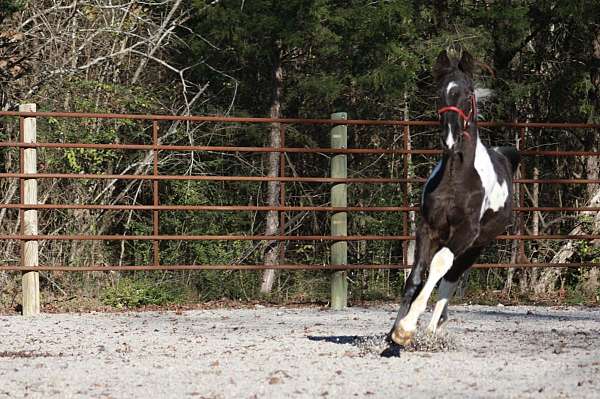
x: 440, y: 264
x: 495, y: 193
x: 450, y: 86
x: 450, y: 137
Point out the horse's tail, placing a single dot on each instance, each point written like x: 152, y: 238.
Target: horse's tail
x: 511, y: 154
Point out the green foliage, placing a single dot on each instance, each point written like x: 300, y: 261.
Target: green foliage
x: 130, y: 292
x: 7, y: 7
x: 246, y: 40
x: 587, y: 251
x: 217, y: 284
x: 97, y: 96
x: 370, y: 59
x: 574, y: 296
x: 301, y: 286
x: 83, y: 96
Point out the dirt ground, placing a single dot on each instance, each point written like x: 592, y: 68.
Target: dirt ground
x: 264, y: 352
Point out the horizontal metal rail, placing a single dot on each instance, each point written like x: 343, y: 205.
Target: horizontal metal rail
x: 104, y: 268
x: 305, y: 179
x: 291, y: 121
x: 156, y: 177
x: 557, y: 181
x: 315, y: 150
x: 265, y: 208
x: 556, y: 153
x: 163, y: 147
x: 92, y: 176
x: 166, y: 237
x: 224, y: 208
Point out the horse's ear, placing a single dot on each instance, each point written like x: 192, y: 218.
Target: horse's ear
x: 467, y: 63
x: 442, y: 65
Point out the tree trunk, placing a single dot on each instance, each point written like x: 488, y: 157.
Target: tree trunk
x: 517, y: 225
x: 524, y: 280
x: 550, y: 275
x: 410, y: 251
x: 593, y: 190
x: 271, y: 251
x: 544, y: 281
x: 591, y: 284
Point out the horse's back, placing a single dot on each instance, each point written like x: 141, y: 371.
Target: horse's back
x: 511, y: 154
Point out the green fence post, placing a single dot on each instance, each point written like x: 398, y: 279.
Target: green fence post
x: 339, y: 220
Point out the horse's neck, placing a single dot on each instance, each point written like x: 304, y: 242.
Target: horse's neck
x: 461, y: 161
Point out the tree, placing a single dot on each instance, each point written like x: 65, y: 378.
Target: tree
x: 92, y: 57
x: 253, y: 47
x: 294, y: 59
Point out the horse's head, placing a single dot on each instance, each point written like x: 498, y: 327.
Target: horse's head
x: 457, y: 104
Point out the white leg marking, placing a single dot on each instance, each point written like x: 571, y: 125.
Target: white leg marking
x: 440, y: 264
x: 445, y: 292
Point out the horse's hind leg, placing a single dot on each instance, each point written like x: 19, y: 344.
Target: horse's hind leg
x: 440, y: 312
x: 448, y: 286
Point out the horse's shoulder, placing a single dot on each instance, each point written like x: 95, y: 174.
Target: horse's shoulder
x: 434, y: 178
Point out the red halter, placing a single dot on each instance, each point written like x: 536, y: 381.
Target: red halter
x: 466, y: 118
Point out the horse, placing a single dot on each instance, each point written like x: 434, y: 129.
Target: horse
x: 466, y: 201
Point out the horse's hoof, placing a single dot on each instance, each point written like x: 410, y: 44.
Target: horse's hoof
x: 392, y: 351
x: 401, y: 337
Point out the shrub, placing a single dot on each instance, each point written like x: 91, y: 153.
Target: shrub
x: 131, y: 293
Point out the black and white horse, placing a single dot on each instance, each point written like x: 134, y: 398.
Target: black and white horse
x: 466, y: 203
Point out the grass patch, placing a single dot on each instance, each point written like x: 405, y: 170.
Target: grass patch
x: 133, y: 293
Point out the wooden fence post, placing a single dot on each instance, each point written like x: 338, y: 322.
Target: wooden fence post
x: 339, y: 221
x: 29, y: 221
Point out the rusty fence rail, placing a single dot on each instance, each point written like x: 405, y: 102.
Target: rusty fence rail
x: 282, y: 208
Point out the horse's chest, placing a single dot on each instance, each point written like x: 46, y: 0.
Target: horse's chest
x: 447, y: 207
x: 453, y: 198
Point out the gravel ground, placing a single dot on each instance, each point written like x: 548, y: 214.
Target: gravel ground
x: 487, y: 352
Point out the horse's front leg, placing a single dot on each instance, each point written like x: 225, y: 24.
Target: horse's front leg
x: 402, y: 332
x: 406, y: 327
x: 441, y: 262
x: 449, y: 282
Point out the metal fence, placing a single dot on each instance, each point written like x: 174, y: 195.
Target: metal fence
x: 156, y: 147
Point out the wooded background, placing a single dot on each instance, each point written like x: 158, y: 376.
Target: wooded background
x: 371, y: 59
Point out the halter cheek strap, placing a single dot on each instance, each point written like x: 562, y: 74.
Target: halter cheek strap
x: 466, y: 118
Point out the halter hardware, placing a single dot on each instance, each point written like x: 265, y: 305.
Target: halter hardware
x: 466, y: 118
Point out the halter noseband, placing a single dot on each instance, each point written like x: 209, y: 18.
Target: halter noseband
x: 466, y: 118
